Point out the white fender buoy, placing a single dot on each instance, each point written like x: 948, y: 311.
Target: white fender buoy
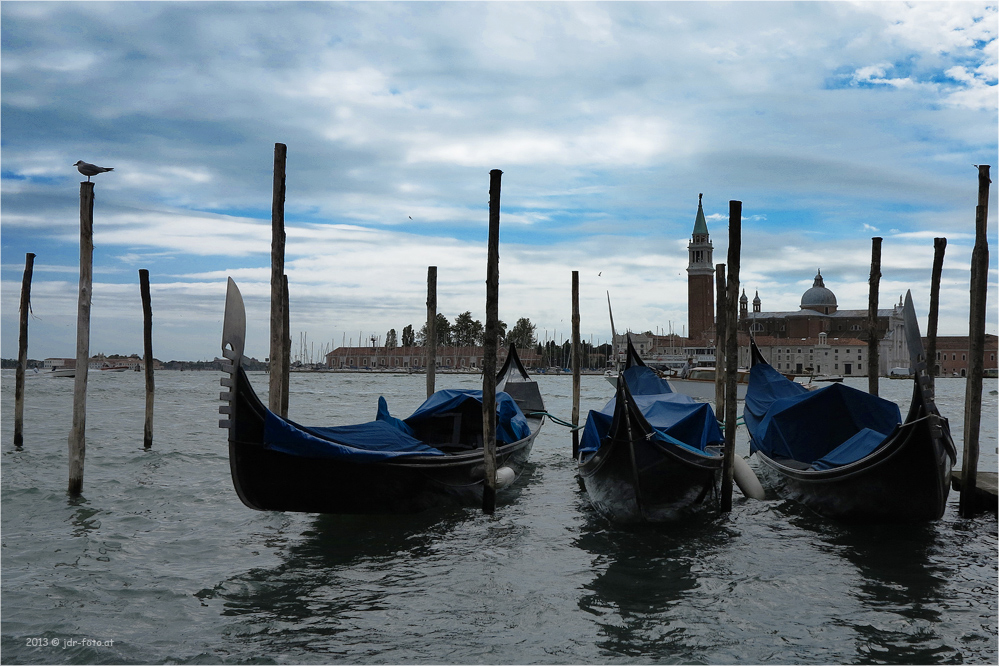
x: 745, y: 478
x: 504, y: 477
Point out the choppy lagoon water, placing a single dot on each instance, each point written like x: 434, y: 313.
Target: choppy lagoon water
x: 160, y: 558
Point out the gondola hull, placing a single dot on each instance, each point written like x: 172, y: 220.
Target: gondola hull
x: 387, y: 466
x: 900, y: 476
x: 269, y: 480
x: 669, y: 488
x: 906, y: 481
x: 635, y: 471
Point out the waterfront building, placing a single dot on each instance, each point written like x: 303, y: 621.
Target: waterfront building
x: 952, y: 355
x: 821, y: 355
x: 415, y: 358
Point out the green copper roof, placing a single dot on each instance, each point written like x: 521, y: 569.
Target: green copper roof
x: 700, y: 226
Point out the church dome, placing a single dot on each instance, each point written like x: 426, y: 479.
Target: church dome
x: 819, y: 298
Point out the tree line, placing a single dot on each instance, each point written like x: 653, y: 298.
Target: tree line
x: 468, y: 332
x: 464, y: 332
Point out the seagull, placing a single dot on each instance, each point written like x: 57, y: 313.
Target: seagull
x: 89, y: 170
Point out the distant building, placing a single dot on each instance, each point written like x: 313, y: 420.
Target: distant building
x: 133, y: 362
x: 829, y: 338
x: 700, y: 279
x: 952, y: 354
x: 97, y: 362
x: 821, y: 355
x: 818, y: 313
x: 415, y: 358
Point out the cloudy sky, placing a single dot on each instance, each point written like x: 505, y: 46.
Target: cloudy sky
x: 831, y: 122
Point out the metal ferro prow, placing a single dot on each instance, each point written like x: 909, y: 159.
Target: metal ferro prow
x: 918, y: 365
x: 233, y: 340
x: 917, y: 355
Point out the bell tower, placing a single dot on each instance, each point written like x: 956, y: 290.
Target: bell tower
x: 700, y: 279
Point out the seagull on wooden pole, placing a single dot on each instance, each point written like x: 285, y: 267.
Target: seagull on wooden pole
x: 89, y: 170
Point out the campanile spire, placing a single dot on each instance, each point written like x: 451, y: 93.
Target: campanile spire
x: 700, y: 278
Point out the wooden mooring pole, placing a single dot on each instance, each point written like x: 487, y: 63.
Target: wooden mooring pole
x: 431, y: 341
x: 939, y: 247
x: 22, y: 350
x: 286, y: 351
x: 576, y: 361
x: 721, y: 328
x: 147, y: 359
x: 275, y: 395
x: 976, y: 347
x: 731, y: 348
x: 489, y: 351
x: 78, y: 435
x: 874, y: 283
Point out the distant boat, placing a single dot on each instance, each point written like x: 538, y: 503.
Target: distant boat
x: 58, y: 371
x: 699, y: 383
x: 114, y: 368
x: 847, y: 454
x: 388, y: 465
x: 650, y: 455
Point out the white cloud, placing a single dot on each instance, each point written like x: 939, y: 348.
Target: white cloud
x: 620, y: 141
x: 828, y: 120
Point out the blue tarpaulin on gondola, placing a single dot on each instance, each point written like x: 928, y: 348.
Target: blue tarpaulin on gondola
x: 511, y: 424
x: 677, y: 418
x: 386, y: 437
x: 829, y: 427
x: 643, y: 380
x: 364, y: 442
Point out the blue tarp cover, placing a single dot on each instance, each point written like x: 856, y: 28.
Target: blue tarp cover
x: 832, y: 426
x: 677, y: 418
x: 511, y: 424
x: 859, y: 446
x: 386, y: 437
x: 364, y: 442
x: 643, y: 380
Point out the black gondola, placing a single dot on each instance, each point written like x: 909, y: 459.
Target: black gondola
x: 650, y: 455
x: 390, y: 465
x: 847, y: 454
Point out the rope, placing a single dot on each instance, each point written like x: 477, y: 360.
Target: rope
x: 555, y: 419
x: 569, y: 425
x: 738, y: 422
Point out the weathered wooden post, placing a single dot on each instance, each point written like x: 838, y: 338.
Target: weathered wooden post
x: 939, y: 246
x: 431, y: 341
x: 278, y: 350
x: 22, y: 350
x: 147, y: 351
x: 78, y: 435
x: 721, y: 339
x: 576, y: 354
x: 874, y: 284
x: 976, y: 347
x: 286, y: 352
x: 489, y: 351
x: 731, y: 348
